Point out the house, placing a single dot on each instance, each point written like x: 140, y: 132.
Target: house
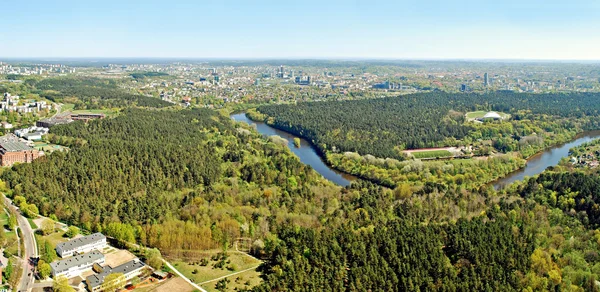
x: 129, y: 269
x: 13, y: 150
x: 81, y: 245
x: 6, y: 125
x: 74, y: 266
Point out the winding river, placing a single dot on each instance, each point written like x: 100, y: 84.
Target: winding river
x: 308, y: 155
x: 550, y: 157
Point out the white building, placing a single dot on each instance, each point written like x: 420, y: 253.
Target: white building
x: 129, y: 269
x: 74, y: 266
x: 81, y: 245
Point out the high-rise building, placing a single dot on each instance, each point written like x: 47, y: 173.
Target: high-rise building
x: 486, y: 79
x: 257, y: 82
x: 281, y: 71
x: 463, y: 87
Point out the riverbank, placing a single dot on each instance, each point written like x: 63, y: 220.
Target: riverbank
x: 306, y: 152
x: 387, y: 172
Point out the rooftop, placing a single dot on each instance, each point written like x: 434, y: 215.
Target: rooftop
x: 126, y: 268
x: 78, y: 242
x: 492, y: 115
x: 66, y: 264
x: 11, y: 143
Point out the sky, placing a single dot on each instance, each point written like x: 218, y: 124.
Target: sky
x: 483, y: 29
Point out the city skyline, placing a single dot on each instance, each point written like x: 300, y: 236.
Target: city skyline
x: 462, y: 30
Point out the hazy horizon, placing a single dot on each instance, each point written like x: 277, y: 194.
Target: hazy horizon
x: 381, y: 30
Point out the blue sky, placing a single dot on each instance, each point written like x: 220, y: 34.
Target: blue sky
x: 501, y: 29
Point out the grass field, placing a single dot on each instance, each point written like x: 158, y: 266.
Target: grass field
x: 431, y: 154
x: 32, y: 224
x: 480, y: 114
x: 48, y: 147
x: 11, y: 237
x: 237, y: 261
x: 246, y: 280
x: 69, y: 107
x: 54, y: 238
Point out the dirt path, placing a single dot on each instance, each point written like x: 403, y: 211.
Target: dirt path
x: 227, y: 276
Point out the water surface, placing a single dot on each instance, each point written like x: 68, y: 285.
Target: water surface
x: 550, y: 157
x: 307, y: 154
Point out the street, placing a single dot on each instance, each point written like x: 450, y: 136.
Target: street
x: 27, y: 278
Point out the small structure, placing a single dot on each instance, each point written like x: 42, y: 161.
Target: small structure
x: 76, y: 265
x: 129, y: 269
x: 81, y: 245
x: 160, y: 275
x: 491, y: 116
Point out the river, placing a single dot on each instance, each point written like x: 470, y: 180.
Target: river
x: 306, y: 152
x: 550, y: 157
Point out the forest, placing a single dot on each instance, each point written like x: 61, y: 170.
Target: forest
x: 191, y: 172
x: 190, y: 180
x: 383, y: 127
x: 91, y: 93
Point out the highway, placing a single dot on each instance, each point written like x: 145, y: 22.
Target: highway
x: 31, y: 252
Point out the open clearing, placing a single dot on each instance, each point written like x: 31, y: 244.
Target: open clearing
x: 236, y: 261
x: 432, y: 154
x: 480, y: 114
x: 176, y: 284
x: 119, y: 257
x: 246, y: 280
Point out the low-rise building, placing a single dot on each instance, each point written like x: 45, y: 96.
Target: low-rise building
x: 81, y: 245
x: 74, y: 266
x: 48, y: 123
x: 13, y: 150
x: 129, y: 269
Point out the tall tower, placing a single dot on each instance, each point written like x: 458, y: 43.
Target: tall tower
x: 486, y: 79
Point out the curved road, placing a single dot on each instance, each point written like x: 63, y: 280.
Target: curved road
x: 31, y: 252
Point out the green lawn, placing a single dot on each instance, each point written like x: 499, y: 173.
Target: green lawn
x: 32, y: 224
x: 67, y: 107
x: 208, y: 272
x: 107, y: 112
x: 252, y: 278
x: 11, y: 238
x: 431, y: 154
x: 54, y: 238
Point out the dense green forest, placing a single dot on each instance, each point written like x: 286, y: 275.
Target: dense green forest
x: 382, y: 127
x: 91, y: 93
x: 191, y: 180
x: 192, y: 172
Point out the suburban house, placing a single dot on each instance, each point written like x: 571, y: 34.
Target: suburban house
x: 13, y: 150
x: 129, y: 269
x: 81, y: 245
x: 76, y: 265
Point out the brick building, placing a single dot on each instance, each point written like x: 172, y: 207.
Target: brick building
x: 12, y: 150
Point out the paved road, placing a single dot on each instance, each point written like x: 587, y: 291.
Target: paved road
x: 31, y: 252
